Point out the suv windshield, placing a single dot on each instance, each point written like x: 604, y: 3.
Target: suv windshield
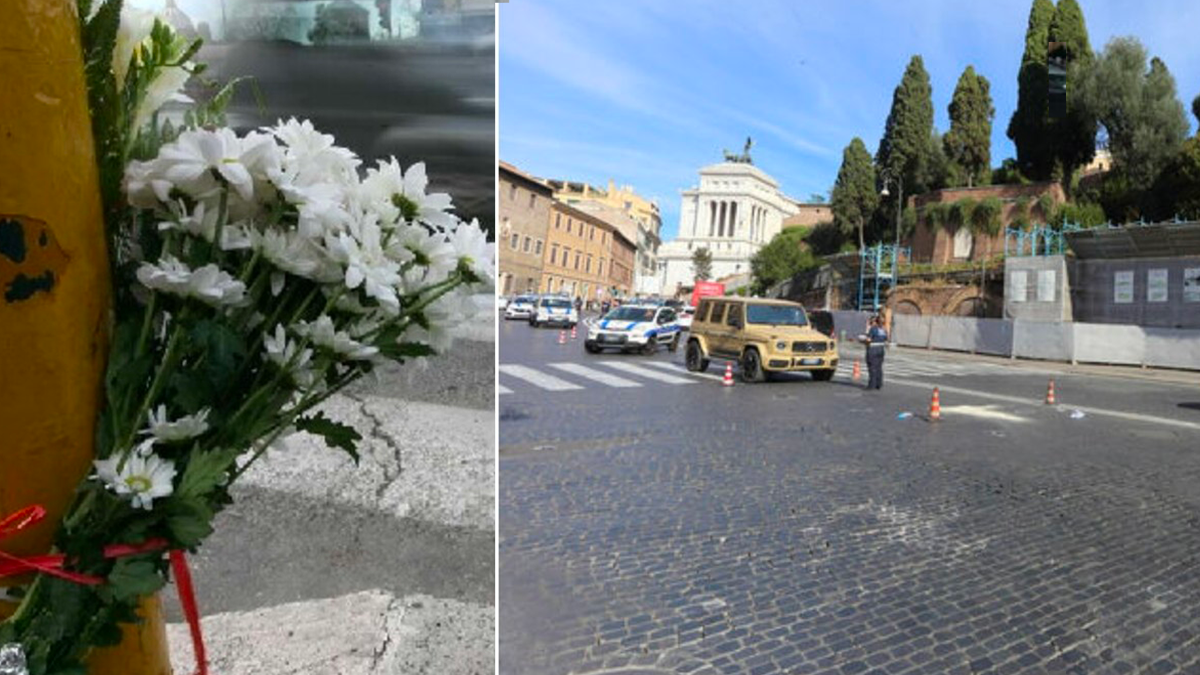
x: 556, y: 302
x: 631, y: 314
x: 524, y: 299
x: 780, y: 315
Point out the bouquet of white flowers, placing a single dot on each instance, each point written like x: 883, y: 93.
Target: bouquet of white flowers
x: 253, y: 277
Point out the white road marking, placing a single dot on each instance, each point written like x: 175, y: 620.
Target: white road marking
x: 537, y: 378
x: 501, y: 389
x: 683, y: 369
x: 642, y: 371
x: 1119, y: 414
x: 592, y: 374
x: 988, y: 412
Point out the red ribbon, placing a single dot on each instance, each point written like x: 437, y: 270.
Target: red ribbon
x: 53, y: 565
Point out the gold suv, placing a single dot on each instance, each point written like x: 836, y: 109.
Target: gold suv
x: 763, y: 336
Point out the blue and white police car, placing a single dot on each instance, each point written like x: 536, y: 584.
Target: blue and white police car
x: 521, y: 307
x: 552, y: 309
x: 634, y: 328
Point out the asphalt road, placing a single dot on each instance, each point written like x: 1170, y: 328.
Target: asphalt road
x: 801, y: 527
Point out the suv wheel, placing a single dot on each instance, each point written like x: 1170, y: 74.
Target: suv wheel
x: 695, y: 357
x: 651, y: 346
x: 752, y: 366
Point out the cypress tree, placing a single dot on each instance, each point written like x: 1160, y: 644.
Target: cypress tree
x: 905, y: 144
x: 854, y: 195
x: 968, y: 144
x: 1073, y: 138
x: 1027, y: 127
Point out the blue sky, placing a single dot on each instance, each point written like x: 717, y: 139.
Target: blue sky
x: 648, y: 91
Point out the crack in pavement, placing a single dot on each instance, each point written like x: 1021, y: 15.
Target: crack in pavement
x: 390, y: 474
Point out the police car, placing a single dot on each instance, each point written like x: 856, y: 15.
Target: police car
x: 634, y: 327
x: 521, y: 307
x: 553, y: 309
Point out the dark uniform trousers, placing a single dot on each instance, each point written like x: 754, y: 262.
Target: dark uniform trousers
x: 875, y: 353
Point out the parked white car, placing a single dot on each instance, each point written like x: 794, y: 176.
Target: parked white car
x: 554, y: 309
x: 521, y: 307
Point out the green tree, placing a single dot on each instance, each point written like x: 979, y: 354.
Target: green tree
x: 824, y: 239
x: 782, y: 257
x: 936, y: 169
x: 968, y: 143
x: 854, y: 195
x: 702, y: 263
x: 1177, y: 191
x: 1073, y: 137
x: 1138, y: 107
x: 1027, y: 127
x: 905, y: 147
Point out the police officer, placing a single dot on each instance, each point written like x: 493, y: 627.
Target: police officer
x: 876, y: 340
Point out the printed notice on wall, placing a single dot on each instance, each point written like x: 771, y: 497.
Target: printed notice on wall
x: 1045, y: 287
x: 1191, y: 284
x: 1123, y: 287
x: 1156, y: 285
x: 1017, y: 286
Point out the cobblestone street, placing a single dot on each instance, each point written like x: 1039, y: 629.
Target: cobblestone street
x: 800, y: 527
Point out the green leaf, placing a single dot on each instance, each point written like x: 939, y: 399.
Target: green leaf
x: 132, y: 578
x: 190, y: 521
x: 205, y: 472
x: 401, y: 350
x: 224, y: 351
x: 336, y: 434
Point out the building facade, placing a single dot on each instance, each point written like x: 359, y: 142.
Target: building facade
x: 525, y: 206
x: 735, y: 210
x: 948, y: 244
x: 578, y: 255
x: 809, y: 215
x: 643, y: 212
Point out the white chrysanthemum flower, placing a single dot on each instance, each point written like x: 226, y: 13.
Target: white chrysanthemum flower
x: 286, y: 353
x: 289, y: 252
x: 144, y: 188
x: 400, y: 197
x: 236, y: 237
x: 473, y: 248
x: 320, y: 205
x: 414, y: 244
x: 367, y: 265
x: 323, y: 333
x: 169, y: 275
x: 188, y: 426
x: 199, y: 222
x: 216, y: 287
x: 311, y: 156
x: 144, y: 478
x: 188, y: 163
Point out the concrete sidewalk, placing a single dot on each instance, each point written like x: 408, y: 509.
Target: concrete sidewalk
x: 321, y: 566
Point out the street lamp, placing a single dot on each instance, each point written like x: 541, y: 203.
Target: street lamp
x: 889, y: 177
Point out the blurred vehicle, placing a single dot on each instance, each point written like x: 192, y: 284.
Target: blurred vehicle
x: 521, y: 307
x: 554, y: 309
x: 686, y: 313
x: 634, y: 328
x: 419, y: 86
x: 703, y: 289
x: 764, y: 336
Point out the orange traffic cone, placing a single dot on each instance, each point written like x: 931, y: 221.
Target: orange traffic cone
x: 935, y: 407
x: 857, y: 371
x: 573, y: 335
x: 728, y: 381
x: 1050, y: 393
x: 562, y: 337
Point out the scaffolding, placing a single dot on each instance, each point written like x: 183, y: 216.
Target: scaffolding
x: 878, y: 269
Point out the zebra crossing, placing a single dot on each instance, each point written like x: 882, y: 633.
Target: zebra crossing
x: 628, y: 374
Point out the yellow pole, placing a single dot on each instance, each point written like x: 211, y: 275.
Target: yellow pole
x: 54, y: 284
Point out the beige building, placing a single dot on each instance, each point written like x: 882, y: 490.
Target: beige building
x: 525, y: 204
x: 809, y: 215
x: 578, y: 261
x: 644, y: 213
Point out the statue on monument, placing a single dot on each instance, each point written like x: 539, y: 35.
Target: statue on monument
x: 743, y: 158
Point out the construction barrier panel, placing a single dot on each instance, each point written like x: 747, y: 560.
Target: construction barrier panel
x: 912, y: 331
x: 1041, y: 340
x: 1109, y: 343
x: 1172, y: 348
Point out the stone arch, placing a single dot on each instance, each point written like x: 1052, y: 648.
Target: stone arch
x: 907, y: 307
x: 908, y: 300
x: 968, y: 301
